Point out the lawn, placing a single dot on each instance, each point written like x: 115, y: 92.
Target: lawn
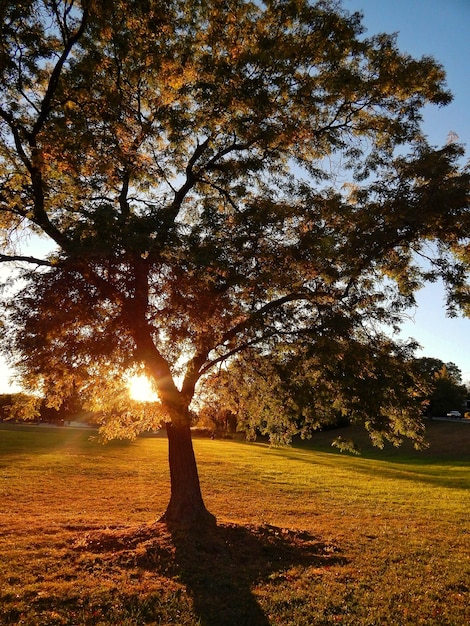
x: 305, y: 536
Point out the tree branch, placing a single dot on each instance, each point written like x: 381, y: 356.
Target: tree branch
x: 259, y: 313
x: 5, y: 258
x: 233, y: 147
x: 123, y: 196
x: 239, y: 328
x: 181, y: 193
x: 227, y: 355
x: 55, y: 75
x: 223, y: 192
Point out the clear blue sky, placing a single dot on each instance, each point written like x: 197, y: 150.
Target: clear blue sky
x: 440, y: 28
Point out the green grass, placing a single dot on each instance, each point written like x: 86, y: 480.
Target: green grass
x: 305, y: 536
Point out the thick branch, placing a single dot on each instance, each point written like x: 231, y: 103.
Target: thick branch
x: 40, y: 215
x: 123, y: 197
x: 15, y: 130
x: 193, y: 373
x: 135, y: 315
x: 55, y: 75
x: 199, y: 365
x: 5, y: 258
x: 233, y: 147
x: 223, y: 357
x: 191, y: 179
x: 259, y: 313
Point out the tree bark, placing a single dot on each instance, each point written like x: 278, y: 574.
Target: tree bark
x: 186, y: 505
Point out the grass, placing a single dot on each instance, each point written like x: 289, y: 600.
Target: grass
x: 305, y: 536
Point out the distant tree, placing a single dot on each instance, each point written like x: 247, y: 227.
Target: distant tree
x: 183, y: 159
x: 19, y: 407
x: 430, y: 367
x: 446, y: 395
x: 446, y: 390
x: 26, y: 407
x: 5, y: 402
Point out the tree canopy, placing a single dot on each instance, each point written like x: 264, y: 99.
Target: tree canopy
x: 295, y: 390
x: 214, y: 178
x: 447, y: 392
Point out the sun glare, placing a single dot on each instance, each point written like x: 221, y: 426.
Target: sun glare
x: 140, y: 389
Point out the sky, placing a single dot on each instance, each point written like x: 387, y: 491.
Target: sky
x: 440, y: 28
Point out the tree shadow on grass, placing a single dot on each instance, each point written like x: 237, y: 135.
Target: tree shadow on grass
x: 218, y: 565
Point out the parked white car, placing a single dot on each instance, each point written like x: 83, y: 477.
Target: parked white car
x: 454, y: 414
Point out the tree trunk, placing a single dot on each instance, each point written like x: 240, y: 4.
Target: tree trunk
x: 186, y: 504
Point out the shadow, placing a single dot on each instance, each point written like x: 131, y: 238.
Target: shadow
x: 218, y: 565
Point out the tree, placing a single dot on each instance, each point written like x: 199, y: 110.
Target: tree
x: 19, y: 406
x: 182, y: 160
x: 446, y: 395
x: 446, y: 390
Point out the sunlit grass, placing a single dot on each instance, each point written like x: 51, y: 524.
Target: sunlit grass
x: 306, y: 536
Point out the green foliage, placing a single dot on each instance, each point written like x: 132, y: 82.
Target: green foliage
x: 295, y: 391
x: 177, y: 156
x: 446, y: 391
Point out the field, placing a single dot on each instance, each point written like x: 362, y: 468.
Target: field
x: 305, y: 536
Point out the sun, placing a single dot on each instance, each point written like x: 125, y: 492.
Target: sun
x: 141, y: 389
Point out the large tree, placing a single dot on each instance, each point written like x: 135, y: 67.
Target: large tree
x: 213, y: 176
